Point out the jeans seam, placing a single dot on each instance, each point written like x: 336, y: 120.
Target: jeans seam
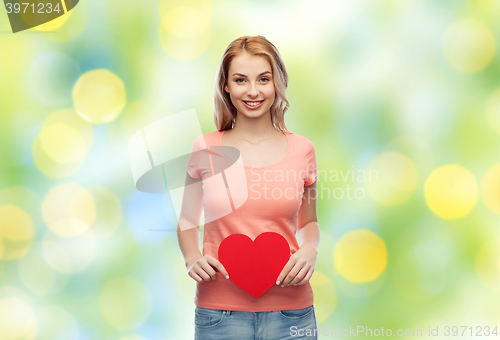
x: 210, y: 319
x: 298, y: 317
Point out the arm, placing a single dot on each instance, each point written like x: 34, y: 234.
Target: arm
x: 300, y: 267
x: 188, y: 230
x: 309, y: 232
x: 200, y: 268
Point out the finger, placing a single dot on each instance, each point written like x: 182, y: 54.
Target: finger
x: 204, y: 275
x: 195, y: 276
x: 306, y: 278
x: 293, y: 272
x: 285, y: 271
x: 213, y: 262
x: 209, y: 270
x: 196, y: 272
x: 300, y: 275
x: 198, y: 269
x: 217, y: 264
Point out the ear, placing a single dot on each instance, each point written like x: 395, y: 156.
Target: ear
x: 226, y: 88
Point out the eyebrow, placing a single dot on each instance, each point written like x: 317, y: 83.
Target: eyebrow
x: 239, y: 74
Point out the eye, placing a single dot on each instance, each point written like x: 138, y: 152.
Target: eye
x: 238, y: 80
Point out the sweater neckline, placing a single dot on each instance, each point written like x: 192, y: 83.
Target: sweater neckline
x: 221, y: 133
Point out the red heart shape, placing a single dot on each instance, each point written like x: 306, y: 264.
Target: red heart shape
x: 254, y: 266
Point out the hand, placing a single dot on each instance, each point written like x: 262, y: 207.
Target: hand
x: 202, y: 269
x: 299, y: 267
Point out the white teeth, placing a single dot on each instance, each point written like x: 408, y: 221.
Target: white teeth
x: 253, y: 104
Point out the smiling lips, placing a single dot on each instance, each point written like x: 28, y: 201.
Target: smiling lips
x: 253, y: 104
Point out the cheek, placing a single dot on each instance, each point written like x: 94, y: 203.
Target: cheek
x: 270, y: 93
x: 237, y: 94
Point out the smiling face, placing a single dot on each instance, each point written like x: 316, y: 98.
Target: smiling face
x: 250, y: 85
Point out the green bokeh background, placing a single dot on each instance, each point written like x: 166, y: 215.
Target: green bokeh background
x: 365, y: 77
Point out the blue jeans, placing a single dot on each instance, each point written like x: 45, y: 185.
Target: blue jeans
x: 211, y: 324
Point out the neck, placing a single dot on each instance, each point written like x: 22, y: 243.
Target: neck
x: 254, y: 128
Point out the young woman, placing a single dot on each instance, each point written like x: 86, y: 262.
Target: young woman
x: 275, y: 192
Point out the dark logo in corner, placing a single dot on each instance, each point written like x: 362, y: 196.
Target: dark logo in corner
x: 25, y: 14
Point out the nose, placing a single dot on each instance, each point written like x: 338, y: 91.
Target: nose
x: 252, y: 91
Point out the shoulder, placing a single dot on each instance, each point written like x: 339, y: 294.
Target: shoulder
x: 208, y: 138
x: 301, y: 142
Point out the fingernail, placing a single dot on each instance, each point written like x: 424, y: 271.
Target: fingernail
x: 227, y: 276
x: 282, y: 285
x: 288, y: 284
x: 294, y: 284
x: 278, y: 282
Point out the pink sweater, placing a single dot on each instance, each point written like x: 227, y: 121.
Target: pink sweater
x: 270, y: 202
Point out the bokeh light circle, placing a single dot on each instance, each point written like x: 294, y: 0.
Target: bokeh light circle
x: 493, y: 110
x: 391, y: 178
x: 62, y: 143
x: 178, y: 22
x: 16, y: 232
x: 60, y: 147
x: 38, y: 276
x: 416, y: 149
x: 323, y: 288
x: 55, y: 24
x: 99, y: 96
x: 125, y: 302
x: 48, y: 166
x: 17, y: 319
x: 488, y: 265
x: 109, y: 214
x: 69, y: 210
x: 15, y: 224
x: 57, y: 323
x: 490, y: 188
x: 451, y: 191
x: 184, y: 32
x: 360, y: 256
x: 68, y: 26
x: 468, y: 46
x: 68, y: 255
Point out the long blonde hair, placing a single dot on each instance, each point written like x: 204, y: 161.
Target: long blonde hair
x: 224, y: 110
